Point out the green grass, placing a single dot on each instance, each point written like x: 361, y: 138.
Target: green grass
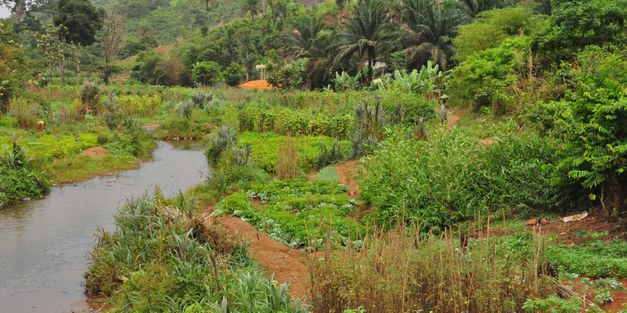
x: 594, y: 258
x: 329, y: 174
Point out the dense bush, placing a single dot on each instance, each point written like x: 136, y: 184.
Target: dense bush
x: 284, y: 121
x: 450, y: 177
x: 591, y: 121
x: 18, y: 180
x: 265, y: 149
x: 482, y: 80
x: 154, y: 262
x: 206, y: 73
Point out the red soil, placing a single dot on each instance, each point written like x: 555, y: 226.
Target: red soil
x: 256, y: 84
x: 95, y: 153
x: 348, y: 176
x: 284, y: 264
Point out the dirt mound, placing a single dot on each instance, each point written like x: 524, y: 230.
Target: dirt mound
x: 284, y: 264
x: 95, y: 152
x: 256, y: 84
x: 348, y: 176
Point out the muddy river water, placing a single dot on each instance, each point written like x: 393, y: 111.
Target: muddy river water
x: 44, y: 244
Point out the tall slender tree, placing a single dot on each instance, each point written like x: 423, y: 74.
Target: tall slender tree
x: 111, y: 38
x: 368, y: 32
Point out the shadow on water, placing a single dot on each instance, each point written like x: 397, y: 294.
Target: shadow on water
x: 44, y: 244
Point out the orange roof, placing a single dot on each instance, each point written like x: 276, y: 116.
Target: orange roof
x: 256, y: 84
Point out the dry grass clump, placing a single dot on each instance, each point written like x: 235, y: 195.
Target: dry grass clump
x: 287, y: 163
x: 406, y: 271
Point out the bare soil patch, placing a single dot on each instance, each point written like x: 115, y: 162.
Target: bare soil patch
x: 348, y: 172
x: 284, y: 264
x: 487, y: 141
x: 95, y: 152
x: 571, y: 232
x: 256, y: 84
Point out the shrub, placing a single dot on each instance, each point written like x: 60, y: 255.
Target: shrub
x: 233, y: 74
x: 89, y: 96
x: 185, y: 109
x: 224, y: 138
x: 206, y: 73
x: 449, y: 178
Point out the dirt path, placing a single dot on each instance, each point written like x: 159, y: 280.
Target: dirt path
x: 285, y: 264
x: 452, y: 120
x: 348, y: 176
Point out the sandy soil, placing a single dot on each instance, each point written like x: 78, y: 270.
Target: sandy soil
x: 256, y: 84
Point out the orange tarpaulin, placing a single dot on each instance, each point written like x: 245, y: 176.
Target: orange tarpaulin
x: 256, y: 84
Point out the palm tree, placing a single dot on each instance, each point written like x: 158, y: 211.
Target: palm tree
x: 309, y: 39
x: 474, y: 7
x: 428, y: 28
x: 368, y: 32
x: 252, y: 6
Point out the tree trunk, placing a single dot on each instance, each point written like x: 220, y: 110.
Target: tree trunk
x: 371, y: 56
x: 20, y: 9
x: 78, y: 73
x: 107, y: 72
x: 616, y: 185
x: 62, y: 70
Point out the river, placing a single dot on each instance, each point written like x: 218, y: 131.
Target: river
x: 44, y: 243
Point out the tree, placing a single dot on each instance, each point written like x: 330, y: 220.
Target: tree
x: 11, y: 63
x: 111, y: 38
x: 20, y: 7
x: 592, y: 123
x: 309, y: 39
x: 56, y: 51
x: 80, y: 18
x: 575, y: 24
x: 368, y: 32
x: 252, y: 7
x: 206, y: 73
x: 428, y: 28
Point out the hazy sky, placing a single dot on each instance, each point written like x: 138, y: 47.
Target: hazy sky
x: 4, y: 12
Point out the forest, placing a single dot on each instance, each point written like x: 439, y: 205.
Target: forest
x: 393, y: 156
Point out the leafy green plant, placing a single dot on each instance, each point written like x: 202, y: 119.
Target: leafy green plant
x: 224, y: 138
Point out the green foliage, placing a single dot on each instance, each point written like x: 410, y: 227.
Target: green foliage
x: 289, y: 76
x: 224, y: 138
x: 490, y: 28
x: 430, y: 25
x: 592, y: 258
x: 482, y: 80
x: 553, y: 304
x: 265, y: 149
x: 591, y: 120
x: 18, y: 180
x: 575, y: 25
x: 233, y: 74
x: 80, y: 18
x: 155, y: 262
x: 296, y: 212
x: 262, y: 118
x: 206, y: 73
x: 450, y: 177
x: 12, y: 65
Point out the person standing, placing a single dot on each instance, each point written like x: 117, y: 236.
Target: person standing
x: 443, y: 109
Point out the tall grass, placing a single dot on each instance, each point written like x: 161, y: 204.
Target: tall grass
x: 404, y: 270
